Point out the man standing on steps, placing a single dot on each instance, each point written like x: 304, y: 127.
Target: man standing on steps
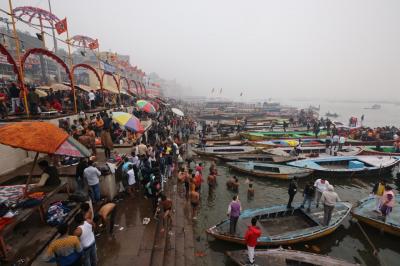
x: 251, y: 236
x: 194, y: 202
x: 292, y: 191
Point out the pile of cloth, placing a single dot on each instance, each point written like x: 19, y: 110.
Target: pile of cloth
x: 56, y: 213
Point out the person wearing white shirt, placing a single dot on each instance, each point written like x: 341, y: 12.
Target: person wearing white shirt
x: 321, y: 185
x: 131, y: 179
x: 342, y: 141
x: 92, y: 175
x: 92, y: 98
x: 335, y: 141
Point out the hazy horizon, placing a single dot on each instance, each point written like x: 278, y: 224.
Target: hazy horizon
x: 263, y: 49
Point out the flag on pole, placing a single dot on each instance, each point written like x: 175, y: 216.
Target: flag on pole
x: 61, y: 26
x: 94, y: 45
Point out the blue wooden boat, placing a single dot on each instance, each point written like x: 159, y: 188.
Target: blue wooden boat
x: 269, y: 170
x: 365, y: 213
x: 282, y: 226
x: 285, y: 257
x: 349, y: 165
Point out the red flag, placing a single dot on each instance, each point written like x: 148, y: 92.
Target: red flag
x: 94, y: 45
x: 61, y: 26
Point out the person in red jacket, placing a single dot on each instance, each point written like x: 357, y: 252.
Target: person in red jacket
x: 251, y: 236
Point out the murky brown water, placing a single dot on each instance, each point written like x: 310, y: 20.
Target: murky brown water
x: 347, y: 242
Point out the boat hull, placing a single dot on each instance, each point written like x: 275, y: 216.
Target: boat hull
x: 365, y: 214
x: 284, y: 176
x: 279, y: 257
x: 290, y: 237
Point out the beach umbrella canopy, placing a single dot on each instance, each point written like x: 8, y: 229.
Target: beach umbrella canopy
x: 177, y: 112
x: 41, y: 137
x: 156, y: 105
x: 146, y: 106
x: 128, y: 121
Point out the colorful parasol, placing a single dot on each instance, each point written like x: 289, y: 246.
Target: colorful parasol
x: 156, y: 105
x: 73, y: 148
x: 128, y: 121
x: 146, y: 106
x: 177, y: 112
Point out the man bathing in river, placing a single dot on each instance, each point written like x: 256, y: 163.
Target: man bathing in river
x: 194, y: 202
x: 233, y: 213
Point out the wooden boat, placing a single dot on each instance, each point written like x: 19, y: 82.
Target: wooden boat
x: 224, y: 143
x: 349, y: 165
x: 212, y: 151
x: 318, y: 151
x: 257, y: 157
x: 269, y: 170
x: 355, y: 142
x: 365, y: 213
x: 277, y: 143
x: 329, y: 114
x: 383, y: 150
x: 224, y: 137
x: 265, y: 135
x: 284, y: 257
x: 282, y: 226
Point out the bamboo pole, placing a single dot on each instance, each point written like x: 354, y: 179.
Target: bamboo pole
x: 21, y: 73
x: 31, y: 173
x: 71, y: 65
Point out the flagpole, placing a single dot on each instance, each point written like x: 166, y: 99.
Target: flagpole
x: 100, y: 72
x: 71, y: 65
x: 21, y: 73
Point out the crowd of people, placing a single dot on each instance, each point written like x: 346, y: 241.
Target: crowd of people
x: 60, y: 101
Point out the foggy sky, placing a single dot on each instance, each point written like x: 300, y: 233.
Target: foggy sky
x: 329, y: 49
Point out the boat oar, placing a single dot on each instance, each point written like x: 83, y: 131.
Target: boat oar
x: 372, y: 244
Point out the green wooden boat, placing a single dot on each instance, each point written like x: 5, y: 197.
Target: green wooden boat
x: 262, y: 135
x: 383, y: 150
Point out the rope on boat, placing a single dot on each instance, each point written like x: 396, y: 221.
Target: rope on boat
x: 370, y: 242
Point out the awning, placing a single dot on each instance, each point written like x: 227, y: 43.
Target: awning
x: 112, y: 90
x: 56, y: 87
x: 85, y: 88
x: 123, y: 91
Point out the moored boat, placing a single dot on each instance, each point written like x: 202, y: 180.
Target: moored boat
x: 220, y: 150
x: 277, y: 143
x: 257, y: 157
x: 365, y: 212
x: 317, y: 151
x: 265, y: 135
x: 349, y: 165
x: 284, y: 257
x: 383, y: 150
x: 282, y: 226
x: 225, y: 143
x: 222, y: 137
x: 269, y: 170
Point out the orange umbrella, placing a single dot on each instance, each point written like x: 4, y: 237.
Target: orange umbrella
x: 40, y: 137
x: 33, y: 136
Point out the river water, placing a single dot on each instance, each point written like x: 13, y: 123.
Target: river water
x: 388, y: 115
x: 347, y: 242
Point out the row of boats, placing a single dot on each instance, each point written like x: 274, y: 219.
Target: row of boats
x: 280, y: 226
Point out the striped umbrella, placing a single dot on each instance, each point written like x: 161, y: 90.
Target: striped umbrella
x: 128, y: 121
x: 146, y: 106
